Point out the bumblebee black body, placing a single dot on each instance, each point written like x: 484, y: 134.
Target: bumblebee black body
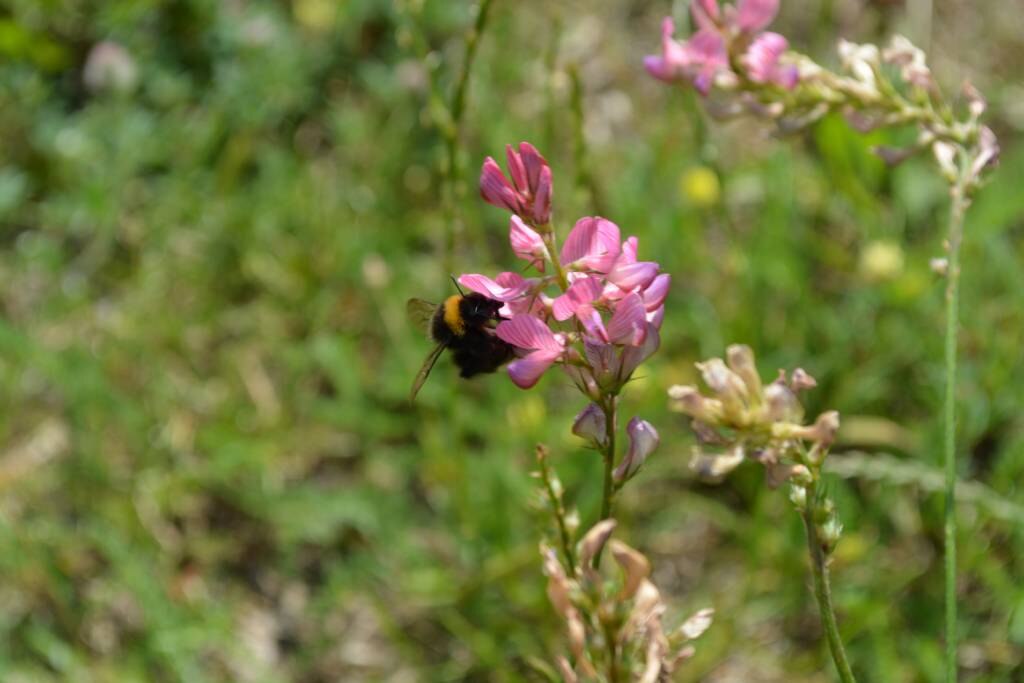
x: 462, y: 323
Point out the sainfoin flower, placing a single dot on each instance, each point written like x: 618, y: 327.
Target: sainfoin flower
x: 528, y: 195
x: 704, y: 58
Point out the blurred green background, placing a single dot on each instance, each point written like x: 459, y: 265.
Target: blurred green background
x: 209, y: 470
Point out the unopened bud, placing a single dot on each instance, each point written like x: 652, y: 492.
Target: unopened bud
x: 945, y: 155
x: 741, y: 361
x: 939, y: 266
x: 687, y: 400
x: 595, y: 539
x: 782, y: 404
x: 591, y: 425
x: 829, y: 533
x: 635, y: 567
x: 798, y: 496
x: 728, y: 386
x: 802, y: 381
x: 643, y: 440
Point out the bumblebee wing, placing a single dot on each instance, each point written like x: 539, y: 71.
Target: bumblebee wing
x: 424, y: 372
x: 420, y: 314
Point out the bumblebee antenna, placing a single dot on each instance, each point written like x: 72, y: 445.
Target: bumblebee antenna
x: 456, y: 283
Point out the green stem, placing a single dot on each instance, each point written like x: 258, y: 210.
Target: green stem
x: 451, y: 130
x: 823, y: 590
x: 958, y: 208
x: 558, y: 509
x: 609, y: 406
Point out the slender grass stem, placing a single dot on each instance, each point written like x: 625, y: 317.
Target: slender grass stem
x: 823, y: 592
x: 555, y: 498
x: 958, y: 207
x: 451, y: 130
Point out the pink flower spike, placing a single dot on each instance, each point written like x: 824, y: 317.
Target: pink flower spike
x: 754, y: 15
x: 631, y: 276
x: 762, y: 61
x: 495, y: 188
x: 643, y: 441
x: 542, y: 197
x: 628, y: 324
x: 514, y: 288
x: 526, y: 242
x: 655, y: 294
x: 592, y: 244
x: 581, y: 293
x: 529, y: 333
x: 516, y: 169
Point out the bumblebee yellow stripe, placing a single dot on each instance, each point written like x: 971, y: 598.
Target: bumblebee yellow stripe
x: 453, y: 316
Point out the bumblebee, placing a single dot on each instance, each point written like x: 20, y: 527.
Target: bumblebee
x: 465, y: 324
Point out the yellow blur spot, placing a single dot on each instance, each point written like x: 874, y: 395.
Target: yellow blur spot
x: 700, y: 187
x: 527, y: 415
x: 315, y: 15
x: 881, y: 260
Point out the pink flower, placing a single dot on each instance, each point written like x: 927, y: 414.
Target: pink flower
x: 762, y: 61
x: 527, y: 243
x: 706, y: 54
x: 590, y: 424
x: 628, y: 324
x: 643, y: 440
x: 755, y: 15
x: 613, y: 366
x: 507, y: 286
x: 528, y: 195
x: 528, y: 333
x: 592, y: 244
x: 582, y: 292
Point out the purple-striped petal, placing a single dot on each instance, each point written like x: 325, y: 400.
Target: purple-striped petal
x: 495, y: 188
x: 526, y: 242
x: 542, y: 197
x: 592, y: 322
x: 592, y: 244
x: 516, y: 169
x: 513, y: 289
x: 632, y: 276
x: 580, y: 293
x: 656, y: 292
x: 633, y: 356
x: 528, y: 332
x: 643, y: 440
x: 533, y: 162
x: 628, y: 324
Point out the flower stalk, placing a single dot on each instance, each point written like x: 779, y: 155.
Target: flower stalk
x: 823, y: 592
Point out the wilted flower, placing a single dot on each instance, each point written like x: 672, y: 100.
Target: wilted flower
x: 745, y: 419
x: 627, y: 608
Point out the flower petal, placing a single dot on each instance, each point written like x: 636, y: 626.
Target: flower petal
x: 633, y: 356
x: 526, y: 242
x: 516, y: 169
x: 496, y: 290
x: 527, y: 370
x: 590, y: 424
x: 542, y: 197
x: 495, y: 188
x: 754, y: 15
x: 628, y: 324
x: 580, y: 293
x: 592, y: 244
x: 705, y: 13
x: 656, y: 292
x: 643, y: 440
x: 533, y: 162
x: 762, y: 56
x: 528, y: 332
x: 593, y: 324
x: 631, y: 276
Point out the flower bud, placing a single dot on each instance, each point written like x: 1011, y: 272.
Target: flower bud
x: 595, y: 539
x: 542, y: 197
x: 590, y: 424
x: 695, y: 626
x: 715, y: 466
x: 829, y: 533
x: 945, y: 155
x: 496, y: 189
x: 741, y: 361
x: 635, y: 567
x: 802, y: 381
x: 686, y: 399
x: 643, y: 440
x: 798, y: 496
x: 781, y: 402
